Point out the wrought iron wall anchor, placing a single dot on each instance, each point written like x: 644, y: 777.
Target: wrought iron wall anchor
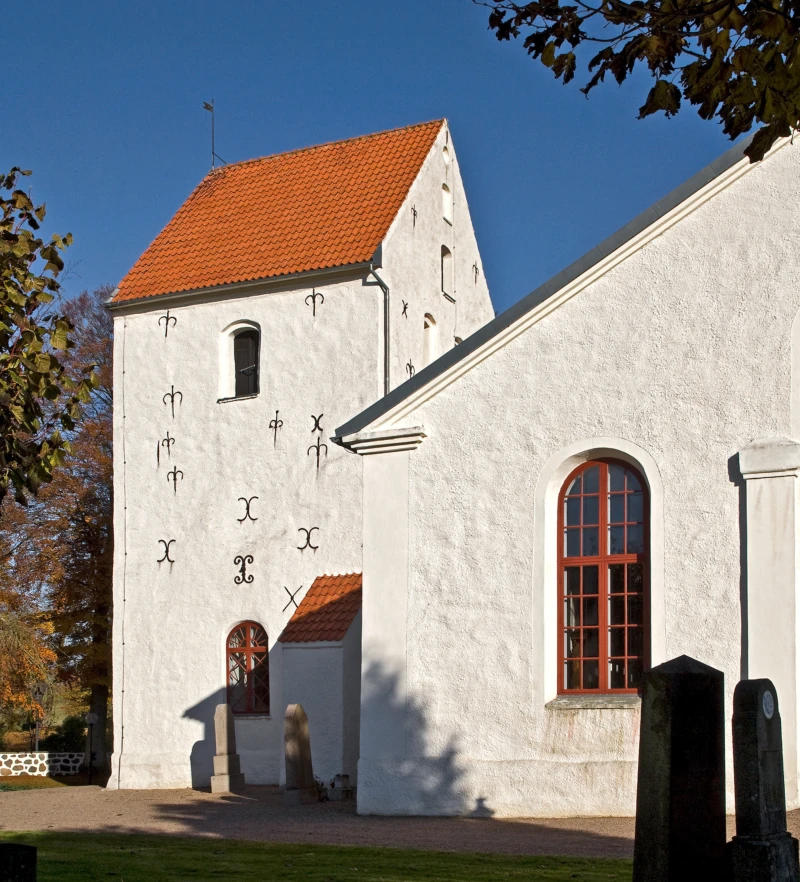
x: 414, y: 215
x: 292, y: 596
x: 410, y: 369
x: 275, y: 425
x: 476, y: 271
x: 171, y: 395
x: 167, y: 543
x: 317, y: 447
x: 313, y: 298
x: 247, y: 502
x: 317, y: 426
x: 308, y: 544
x: 173, y: 476
x: 168, y: 442
x: 405, y: 309
x: 167, y: 319
x: 242, y: 561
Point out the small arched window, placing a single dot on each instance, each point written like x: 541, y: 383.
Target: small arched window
x: 245, y: 362
x: 430, y: 340
x: 447, y: 204
x: 248, y: 669
x: 603, y: 573
x: 447, y: 271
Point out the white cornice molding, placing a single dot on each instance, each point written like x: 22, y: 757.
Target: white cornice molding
x: 689, y: 205
x: 770, y: 458
x: 386, y: 441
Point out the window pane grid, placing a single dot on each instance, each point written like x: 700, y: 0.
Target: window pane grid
x: 248, y: 669
x: 602, y: 579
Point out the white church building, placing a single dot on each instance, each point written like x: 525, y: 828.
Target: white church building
x: 464, y: 586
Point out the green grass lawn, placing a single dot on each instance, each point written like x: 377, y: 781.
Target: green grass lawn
x: 70, y: 857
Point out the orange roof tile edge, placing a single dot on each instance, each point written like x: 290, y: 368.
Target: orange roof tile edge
x: 314, y: 208
x: 327, y: 610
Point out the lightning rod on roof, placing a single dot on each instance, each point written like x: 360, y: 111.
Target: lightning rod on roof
x: 214, y: 155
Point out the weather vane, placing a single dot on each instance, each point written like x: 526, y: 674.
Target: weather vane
x: 214, y: 155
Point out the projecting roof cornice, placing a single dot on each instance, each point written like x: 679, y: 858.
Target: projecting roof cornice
x: 400, y: 403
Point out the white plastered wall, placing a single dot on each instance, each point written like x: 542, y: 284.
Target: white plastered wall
x: 676, y: 358
x: 171, y: 620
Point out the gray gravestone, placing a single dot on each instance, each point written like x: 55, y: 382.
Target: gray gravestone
x: 17, y: 863
x: 762, y: 850
x: 680, y: 798
x: 300, y: 784
x: 227, y: 777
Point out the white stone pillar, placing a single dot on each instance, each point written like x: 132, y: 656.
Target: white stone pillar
x: 384, y: 602
x: 770, y: 466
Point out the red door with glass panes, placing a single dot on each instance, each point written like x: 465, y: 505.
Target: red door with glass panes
x: 603, y: 569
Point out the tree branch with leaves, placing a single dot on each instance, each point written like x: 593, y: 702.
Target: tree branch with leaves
x: 735, y: 62
x: 40, y: 401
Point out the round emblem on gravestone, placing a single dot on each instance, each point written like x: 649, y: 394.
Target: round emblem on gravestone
x: 768, y: 703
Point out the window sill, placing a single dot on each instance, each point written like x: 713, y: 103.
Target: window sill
x: 594, y: 702
x: 236, y: 398
x: 252, y: 716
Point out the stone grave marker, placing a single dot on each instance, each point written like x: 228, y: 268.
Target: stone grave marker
x: 680, y: 798
x: 227, y: 777
x: 17, y: 863
x: 762, y: 850
x: 300, y: 784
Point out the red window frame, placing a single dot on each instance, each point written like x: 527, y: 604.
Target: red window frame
x: 608, y: 630
x: 247, y: 669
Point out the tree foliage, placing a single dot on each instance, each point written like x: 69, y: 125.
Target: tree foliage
x: 738, y: 62
x: 56, y: 553
x: 40, y: 401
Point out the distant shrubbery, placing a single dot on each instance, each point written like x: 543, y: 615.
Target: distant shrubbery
x: 69, y: 737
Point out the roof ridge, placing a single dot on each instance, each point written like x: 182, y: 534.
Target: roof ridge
x: 310, y: 147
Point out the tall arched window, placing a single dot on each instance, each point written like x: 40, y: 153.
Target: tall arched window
x: 447, y: 271
x: 447, y: 204
x: 430, y: 340
x: 245, y: 362
x: 248, y: 669
x: 603, y: 571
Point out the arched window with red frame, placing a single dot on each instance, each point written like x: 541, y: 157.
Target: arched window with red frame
x: 603, y: 578
x: 248, y: 669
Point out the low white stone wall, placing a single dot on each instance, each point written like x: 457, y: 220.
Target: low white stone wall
x: 40, y: 763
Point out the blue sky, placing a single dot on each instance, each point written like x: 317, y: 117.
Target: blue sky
x: 106, y: 109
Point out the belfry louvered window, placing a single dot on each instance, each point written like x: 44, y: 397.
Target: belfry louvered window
x: 248, y: 669
x: 245, y: 362
x: 603, y: 579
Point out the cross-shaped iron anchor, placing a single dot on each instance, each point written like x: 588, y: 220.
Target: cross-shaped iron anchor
x: 292, y: 596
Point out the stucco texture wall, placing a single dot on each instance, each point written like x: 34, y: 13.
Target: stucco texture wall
x: 683, y: 352
x: 171, y: 620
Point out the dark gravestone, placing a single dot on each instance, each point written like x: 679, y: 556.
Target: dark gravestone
x: 17, y: 863
x: 680, y: 797
x: 762, y: 850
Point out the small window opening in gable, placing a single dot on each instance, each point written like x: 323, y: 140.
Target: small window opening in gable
x: 447, y: 204
x: 430, y: 341
x: 446, y: 154
x: 447, y: 271
x: 245, y: 362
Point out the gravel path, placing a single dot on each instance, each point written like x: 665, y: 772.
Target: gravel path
x: 261, y: 815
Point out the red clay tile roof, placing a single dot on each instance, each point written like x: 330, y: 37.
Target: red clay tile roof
x: 310, y: 209
x: 327, y: 610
